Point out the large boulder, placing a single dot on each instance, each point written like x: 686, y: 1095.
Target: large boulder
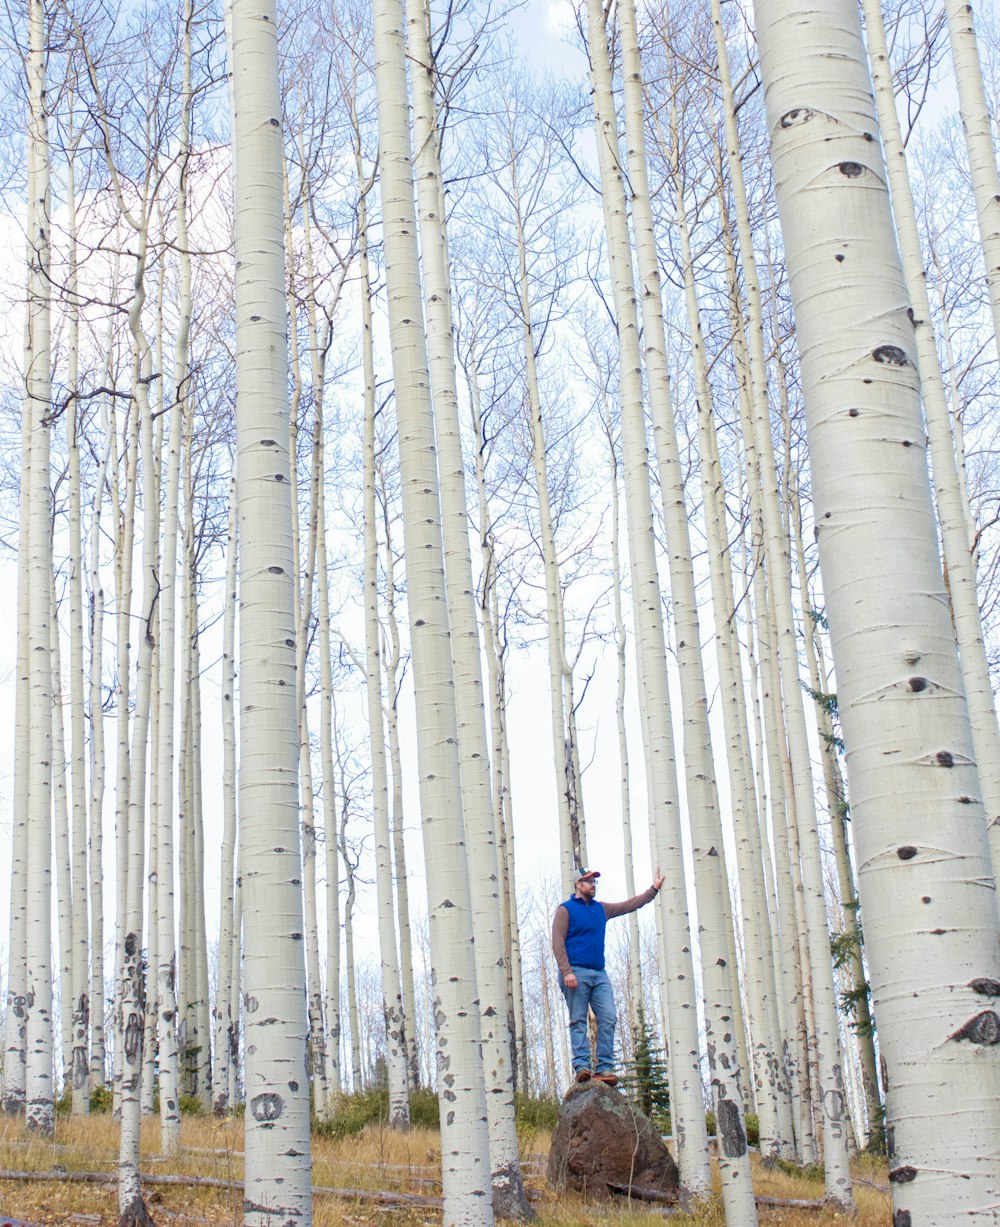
x: 602, y: 1147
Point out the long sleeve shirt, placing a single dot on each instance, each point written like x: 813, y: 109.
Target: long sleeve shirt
x: 560, y: 922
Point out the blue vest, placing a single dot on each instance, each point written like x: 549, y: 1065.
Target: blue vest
x: 585, y: 935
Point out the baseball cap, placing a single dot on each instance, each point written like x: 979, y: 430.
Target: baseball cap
x: 583, y: 872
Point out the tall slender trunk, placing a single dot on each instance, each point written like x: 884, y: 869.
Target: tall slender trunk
x: 829, y: 1092
x: 277, y: 1119
x: 14, y: 1014
x: 773, y: 1106
x: 79, y: 1006
x: 909, y: 748
x: 509, y: 1199
x: 662, y: 786
x: 981, y: 148
x: 464, y: 1136
x: 226, y: 1022
x: 393, y: 1012
x: 38, y: 1092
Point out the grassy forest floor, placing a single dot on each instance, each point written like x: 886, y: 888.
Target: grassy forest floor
x: 376, y: 1159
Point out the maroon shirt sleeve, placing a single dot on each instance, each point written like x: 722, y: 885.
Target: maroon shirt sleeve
x: 629, y: 905
x: 560, y: 927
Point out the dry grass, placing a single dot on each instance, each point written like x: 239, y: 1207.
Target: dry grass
x: 376, y: 1159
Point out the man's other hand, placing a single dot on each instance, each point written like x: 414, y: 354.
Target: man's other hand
x: 570, y: 981
x: 658, y: 878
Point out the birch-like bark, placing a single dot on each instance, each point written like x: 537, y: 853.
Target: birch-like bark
x: 201, y: 1011
x: 771, y: 749
x: 981, y: 148
x: 773, y: 1106
x: 662, y: 788
x: 331, y: 1046
x: 277, y: 1119
x: 502, y: 816
x: 14, y: 1014
x: 97, y: 761
x: 393, y: 1012
x: 509, y: 1199
x: 464, y: 1136
x: 960, y: 566
x: 919, y: 827
x: 393, y: 664
x: 38, y: 1092
x: 829, y: 1093
x: 226, y: 1022
x: 61, y: 848
x: 722, y: 1014
x: 78, y: 1007
x: 350, y: 866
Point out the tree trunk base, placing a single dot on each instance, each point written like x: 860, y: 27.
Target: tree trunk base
x: 136, y: 1215
x: 509, y: 1198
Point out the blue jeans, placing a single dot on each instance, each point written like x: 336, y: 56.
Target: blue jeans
x: 593, y: 989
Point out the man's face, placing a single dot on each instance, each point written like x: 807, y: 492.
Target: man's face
x: 586, y: 888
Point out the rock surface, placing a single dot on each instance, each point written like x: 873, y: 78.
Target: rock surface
x: 601, y: 1140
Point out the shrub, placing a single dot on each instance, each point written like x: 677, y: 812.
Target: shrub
x: 101, y: 1099
x: 535, y: 1113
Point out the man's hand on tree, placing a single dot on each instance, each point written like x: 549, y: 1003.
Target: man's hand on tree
x: 657, y: 878
x: 570, y: 981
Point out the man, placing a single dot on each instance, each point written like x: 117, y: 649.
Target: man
x: 578, y: 944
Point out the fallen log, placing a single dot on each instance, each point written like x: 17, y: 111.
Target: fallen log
x: 213, y: 1182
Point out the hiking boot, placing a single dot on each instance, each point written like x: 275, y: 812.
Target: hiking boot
x: 607, y: 1077
x: 583, y: 1075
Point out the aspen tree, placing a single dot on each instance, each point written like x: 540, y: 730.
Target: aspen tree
x: 909, y: 748
x: 331, y: 1044
x: 80, y: 1006
x: 277, y: 1093
x: 771, y: 749
x: 464, y: 1137
x: 393, y: 1011
x: 509, y: 1200
x: 959, y: 565
x: 981, y: 148
x: 715, y: 926
x: 226, y: 1021
x: 665, y: 837
x: 772, y: 1089
x: 503, y: 824
x: 14, y: 1012
x: 392, y: 657
x: 166, y: 961
x: 825, y: 1034
x: 39, y: 1103
x: 97, y: 758
x: 61, y: 846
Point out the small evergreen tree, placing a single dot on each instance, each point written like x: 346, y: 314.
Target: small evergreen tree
x: 645, y: 1080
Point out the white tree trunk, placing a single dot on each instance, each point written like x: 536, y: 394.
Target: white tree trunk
x: 981, y: 147
x: 79, y: 1007
x: 39, y: 1098
x: 226, y: 1021
x: 960, y: 567
x: 393, y: 1012
x: 480, y: 834
x: 825, y: 1036
x: 662, y: 789
x: 277, y: 1119
x: 464, y: 1138
x: 931, y: 924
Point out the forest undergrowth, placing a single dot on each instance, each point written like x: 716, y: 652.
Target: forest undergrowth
x: 376, y: 1160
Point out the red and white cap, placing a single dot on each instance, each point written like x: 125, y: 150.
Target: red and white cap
x: 583, y: 874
